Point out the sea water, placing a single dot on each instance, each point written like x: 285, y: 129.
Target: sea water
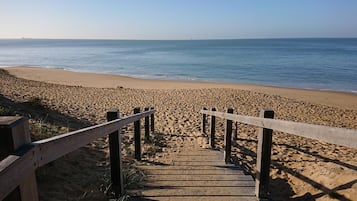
x: 324, y: 64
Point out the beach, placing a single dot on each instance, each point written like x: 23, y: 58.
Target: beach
x: 302, y: 169
x: 70, y: 78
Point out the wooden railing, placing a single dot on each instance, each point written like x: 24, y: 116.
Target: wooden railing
x: 20, y: 157
x: 339, y: 136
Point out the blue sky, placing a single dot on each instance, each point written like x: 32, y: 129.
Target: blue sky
x: 177, y: 19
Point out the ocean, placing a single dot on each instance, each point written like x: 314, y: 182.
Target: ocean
x: 323, y: 64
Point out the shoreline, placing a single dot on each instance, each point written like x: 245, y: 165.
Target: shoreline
x: 62, y: 76
x: 194, y: 82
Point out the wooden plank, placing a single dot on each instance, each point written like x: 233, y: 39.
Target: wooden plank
x: 28, y: 188
x: 195, y: 198
x: 193, y: 171
x: 147, y: 127
x: 137, y: 137
x: 152, y: 123
x: 116, y: 166
x: 228, y: 138
x: 213, y: 129
x: 237, y: 183
x: 204, y: 120
x: 11, y: 139
x: 340, y: 136
x: 202, y: 168
x: 197, y: 191
x: 16, y: 167
x: 263, y: 158
x: 235, y: 133
x: 208, y: 178
x: 16, y: 132
x: 200, y: 163
x: 55, y: 147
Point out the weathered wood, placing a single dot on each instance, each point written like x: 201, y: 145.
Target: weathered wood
x: 116, y: 165
x: 263, y: 158
x: 137, y: 137
x: 213, y: 129
x: 235, y: 133
x: 18, y: 166
x: 147, y: 127
x: 14, y: 135
x: 228, y: 138
x: 340, y: 136
x: 55, y: 147
x: 152, y: 123
x: 197, y: 181
x: 204, y: 120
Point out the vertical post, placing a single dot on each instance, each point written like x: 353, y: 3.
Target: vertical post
x: 137, y: 136
x: 228, y: 138
x: 263, y: 158
x: 235, y: 134
x: 147, y: 127
x: 152, y: 123
x: 116, y: 166
x: 213, y: 129
x: 14, y: 132
x: 204, y: 120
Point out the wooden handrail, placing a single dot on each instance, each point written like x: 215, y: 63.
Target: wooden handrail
x: 18, y: 165
x: 340, y: 136
x: 14, y: 168
x: 55, y: 147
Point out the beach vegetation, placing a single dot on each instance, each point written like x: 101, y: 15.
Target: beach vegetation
x: 132, y: 179
x: 5, y: 111
x: 41, y: 129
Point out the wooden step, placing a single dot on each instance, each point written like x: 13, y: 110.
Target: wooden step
x: 199, y: 163
x: 170, y: 167
x: 193, y: 172
x: 196, y: 175
x: 195, y: 191
x: 222, y: 183
x: 195, y: 198
x: 201, y: 177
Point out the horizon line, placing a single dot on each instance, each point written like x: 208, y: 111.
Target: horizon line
x: 188, y: 39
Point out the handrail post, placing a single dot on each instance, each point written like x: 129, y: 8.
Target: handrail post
x: 235, y: 134
x: 213, y: 129
x: 14, y: 133
x: 204, y: 120
x: 116, y: 165
x: 147, y: 127
x: 137, y: 134
x: 152, y: 123
x: 263, y: 158
x: 228, y: 138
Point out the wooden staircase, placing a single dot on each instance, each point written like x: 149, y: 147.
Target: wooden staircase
x: 200, y: 174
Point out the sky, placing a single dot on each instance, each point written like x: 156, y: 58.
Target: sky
x: 177, y: 19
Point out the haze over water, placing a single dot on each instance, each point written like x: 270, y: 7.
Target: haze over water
x: 325, y: 64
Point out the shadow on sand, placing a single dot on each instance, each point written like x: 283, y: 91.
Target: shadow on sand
x: 79, y: 175
x: 275, y: 184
